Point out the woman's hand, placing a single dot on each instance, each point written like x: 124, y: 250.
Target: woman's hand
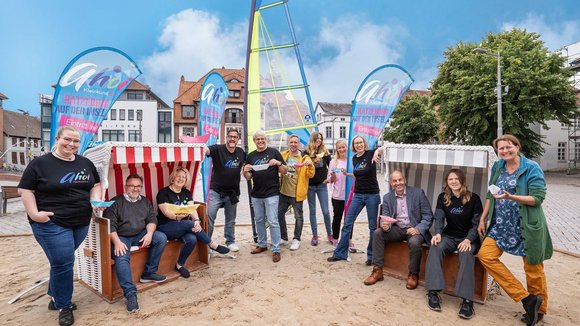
x: 502, y: 195
x: 481, y: 227
x: 41, y: 217
x: 436, y: 239
x: 196, y: 226
x: 179, y: 217
x: 464, y: 246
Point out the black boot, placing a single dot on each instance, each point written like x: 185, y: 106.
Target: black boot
x: 531, y: 305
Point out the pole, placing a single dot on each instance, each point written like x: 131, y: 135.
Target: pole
x: 499, y: 100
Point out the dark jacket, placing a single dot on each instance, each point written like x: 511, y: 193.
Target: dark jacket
x: 419, y: 210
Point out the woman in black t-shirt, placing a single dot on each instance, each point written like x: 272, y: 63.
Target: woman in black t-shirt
x: 186, y: 227
x: 366, y: 194
x: 56, y: 190
x: 461, y: 209
x: 318, y: 185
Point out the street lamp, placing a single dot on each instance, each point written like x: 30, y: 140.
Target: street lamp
x: 498, y: 88
x: 26, y: 158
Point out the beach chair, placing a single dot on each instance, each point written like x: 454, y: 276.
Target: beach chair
x: 424, y: 166
x: 155, y: 162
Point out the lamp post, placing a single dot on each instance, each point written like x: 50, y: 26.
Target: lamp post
x: 498, y: 88
x: 26, y: 114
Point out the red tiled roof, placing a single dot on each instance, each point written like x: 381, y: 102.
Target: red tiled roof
x: 16, y: 125
x: 189, y: 91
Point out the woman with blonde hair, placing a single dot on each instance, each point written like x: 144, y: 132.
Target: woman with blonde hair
x: 317, y: 185
x: 186, y: 227
x: 338, y: 181
x: 456, y: 219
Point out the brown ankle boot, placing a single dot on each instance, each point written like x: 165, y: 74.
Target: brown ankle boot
x: 376, y: 275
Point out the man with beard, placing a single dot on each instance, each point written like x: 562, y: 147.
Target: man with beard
x: 225, y: 185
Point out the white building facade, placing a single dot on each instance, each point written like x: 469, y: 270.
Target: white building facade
x: 333, y: 122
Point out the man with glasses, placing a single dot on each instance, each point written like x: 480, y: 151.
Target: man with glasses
x: 133, y: 223
x: 227, y: 161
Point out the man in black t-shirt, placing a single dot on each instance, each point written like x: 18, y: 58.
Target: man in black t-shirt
x: 227, y: 161
x: 262, y: 167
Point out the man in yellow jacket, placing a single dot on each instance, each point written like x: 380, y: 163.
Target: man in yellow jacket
x: 294, y: 189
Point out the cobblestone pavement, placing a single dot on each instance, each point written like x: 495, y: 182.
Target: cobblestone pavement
x: 561, y: 206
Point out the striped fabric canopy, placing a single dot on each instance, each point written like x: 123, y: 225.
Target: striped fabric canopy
x: 153, y: 161
x: 424, y: 166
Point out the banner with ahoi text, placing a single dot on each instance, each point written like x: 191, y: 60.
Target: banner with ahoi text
x: 375, y: 101
x: 87, y: 88
x: 213, y: 97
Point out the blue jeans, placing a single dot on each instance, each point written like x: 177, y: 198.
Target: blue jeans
x: 123, y: 262
x: 371, y: 201
x: 183, y: 230
x: 215, y: 203
x: 322, y: 191
x: 267, y: 208
x: 59, y: 245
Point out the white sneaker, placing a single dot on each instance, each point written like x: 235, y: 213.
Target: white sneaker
x: 295, y: 244
x: 233, y: 247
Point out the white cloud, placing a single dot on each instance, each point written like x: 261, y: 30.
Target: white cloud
x: 554, y: 35
x: 192, y: 43
x: 357, y: 46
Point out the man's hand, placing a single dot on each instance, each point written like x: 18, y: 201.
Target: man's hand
x: 146, y: 240
x: 274, y: 162
x: 413, y: 231
x: 464, y: 246
x: 119, y: 248
x: 436, y: 239
x: 247, y: 168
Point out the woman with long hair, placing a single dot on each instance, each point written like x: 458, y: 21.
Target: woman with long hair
x: 338, y: 181
x: 517, y: 226
x: 317, y: 185
x: 456, y: 219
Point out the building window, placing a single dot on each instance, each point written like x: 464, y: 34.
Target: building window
x: 188, y: 111
x: 561, y: 151
x: 342, y: 132
x: 130, y: 114
x: 188, y: 131
x: 164, y: 127
x: 342, y: 119
x: 234, y: 81
x: 113, y: 135
x: 122, y: 114
x: 234, y: 93
x: 139, y: 115
x: 113, y: 114
x: 577, y: 151
x: 14, y: 158
x: 135, y: 135
x: 22, y: 161
x: 328, y: 132
x: 134, y: 95
x: 14, y: 141
x: 234, y: 116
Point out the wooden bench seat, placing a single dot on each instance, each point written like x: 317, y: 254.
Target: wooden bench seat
x: 111, y: 290
x: 397, y: 265
x: 8, y: 192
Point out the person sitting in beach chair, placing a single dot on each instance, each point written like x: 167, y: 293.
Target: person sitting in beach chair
x: 412, y: 215
x: 133, y: 223
x: 461, y: 209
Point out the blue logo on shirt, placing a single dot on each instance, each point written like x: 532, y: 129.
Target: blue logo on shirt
x: 76, y: 177
x: 232, y: 164
x: 361, y: 165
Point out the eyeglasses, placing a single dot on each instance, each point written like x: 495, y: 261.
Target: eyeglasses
x: 71, y: 140
x: 134, y: 186
x: 233, y: 137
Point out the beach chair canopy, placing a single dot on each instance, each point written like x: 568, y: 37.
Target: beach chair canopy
x: 424, y: 166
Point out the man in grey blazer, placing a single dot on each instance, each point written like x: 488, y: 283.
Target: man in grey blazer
x: 412, y: 211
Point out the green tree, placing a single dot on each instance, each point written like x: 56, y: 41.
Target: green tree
x: 539, y: 90
x: 413, y: 122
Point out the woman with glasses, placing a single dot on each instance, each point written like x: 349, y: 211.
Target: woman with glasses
x: 56, y: 190
x: 186, y: 227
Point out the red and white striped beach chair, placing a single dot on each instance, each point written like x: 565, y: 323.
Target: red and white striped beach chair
x: 155, y: 162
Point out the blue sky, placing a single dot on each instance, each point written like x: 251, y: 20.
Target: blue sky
x: 341, y: 41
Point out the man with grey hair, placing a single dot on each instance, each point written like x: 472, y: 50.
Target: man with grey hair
x: 262, y: 167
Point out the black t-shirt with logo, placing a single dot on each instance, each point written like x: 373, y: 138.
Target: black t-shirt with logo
x: 166, y: 195
x: 62, y: 187
x: 459, y: 217
x: 320, y: 170
x: 226, y: 170
x: 365, y: 173
x: 266, y: 182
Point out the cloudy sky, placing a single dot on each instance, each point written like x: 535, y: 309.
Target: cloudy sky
x: 341, y: 41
